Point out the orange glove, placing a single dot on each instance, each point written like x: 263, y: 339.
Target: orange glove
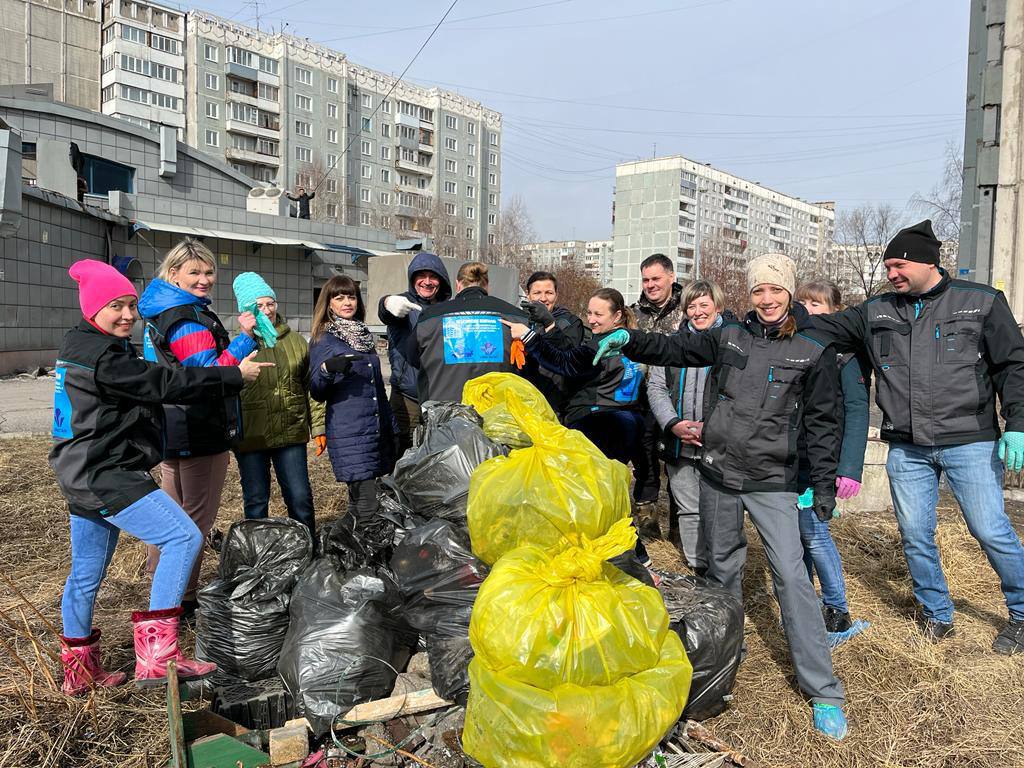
x: 321, y: 444
x: 517, y: 354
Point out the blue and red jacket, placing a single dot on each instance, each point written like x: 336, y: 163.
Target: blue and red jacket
x: 182, y: 331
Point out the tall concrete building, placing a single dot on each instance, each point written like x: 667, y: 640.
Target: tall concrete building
x: 52, y: 42
x: 599, y: 260
x: 672, y: 205
x: 552, y: 254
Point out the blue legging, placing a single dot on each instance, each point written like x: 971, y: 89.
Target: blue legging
x: 155, y: 519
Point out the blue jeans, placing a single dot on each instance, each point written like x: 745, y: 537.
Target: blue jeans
x: 975, y: 475
x: 154, y: 519
x: 822, y: 557
x: 292, y: 475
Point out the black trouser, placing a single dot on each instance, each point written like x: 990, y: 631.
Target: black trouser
x: 646, y: 465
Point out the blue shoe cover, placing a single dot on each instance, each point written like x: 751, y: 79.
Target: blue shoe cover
x: 830, y: 720
x: 835, y: 639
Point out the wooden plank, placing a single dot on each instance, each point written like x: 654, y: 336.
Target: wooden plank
x: 203, y: 722
x: 175, y: 729
x: 391, y: 707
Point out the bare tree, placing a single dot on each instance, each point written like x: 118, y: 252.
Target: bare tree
x: 514, y: 231
x: 722, y: 263
x: 942, y: 203
x: 575, y: 287
x: 859, y: 242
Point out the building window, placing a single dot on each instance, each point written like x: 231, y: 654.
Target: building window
x: 332, y: 110
x: 364, y: 194
x: 451, y: 121
x: 469, y: 233
x: 471, y: 149
x: 212, y: 82
x: 366, y: 148
x: 303, y: 76
x: 332, y: 135
x: 421, y: 183
x: 450, y: 166
x: 385, y: 153
x: 165, y: 44
x: 104, y: 176
x: 211, y: 52
x: 332, y: 185
x: 492, y: 137
x: 449, y: 209
x: 108, y: 64
x: 269, y: 92
x: 470, y: 191
x: 492, y: 218
x: 385, y: 198
x: 492, y: 199
x: 471, y: 128
x: 470, y: 170
x: 134, y: 34
x: 385, y: 175
x: 492, y: 179
x: 367, y: 101
x: 367, y: 124
x: 385, y: 130
x: 385, y: 107
x: 451, y: 144
x: 303, y: 102
x: 332, y: 211
x: 385, y: 222
x: 303, y: 128
x: 332, y: 161
x: 212, y: 138
x: 332, y: 85
x: 366, y: 171
x: 491, y: 239
x: 268, y: 65
x: 303, y: 154
x: 492, y: 158
x: 470, y: 212
x: 137, y: 95
x: 449, y: 229
x: 450, y: 188
x: 212, y: 110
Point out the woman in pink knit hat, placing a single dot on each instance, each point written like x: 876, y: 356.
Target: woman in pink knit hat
x: 107, y: 436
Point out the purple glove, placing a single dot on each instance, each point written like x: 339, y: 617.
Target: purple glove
x: 846, y: 488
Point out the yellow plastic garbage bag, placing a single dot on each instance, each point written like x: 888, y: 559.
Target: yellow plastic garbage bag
x: 488, y: 394
x: 548, y: 495
x: 568, y: 618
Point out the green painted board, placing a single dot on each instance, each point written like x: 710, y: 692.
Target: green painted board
x: 222, y: 751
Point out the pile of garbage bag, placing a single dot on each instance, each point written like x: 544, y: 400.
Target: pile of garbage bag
x: 709, y: 620
x: 439, y: 578
x: 432, y: 477
x: 574, y: 660
x: 243, y: 613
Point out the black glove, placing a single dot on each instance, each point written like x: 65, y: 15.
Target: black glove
x: 825, y: 501
x: 339, y: 364
x: 539, y: 314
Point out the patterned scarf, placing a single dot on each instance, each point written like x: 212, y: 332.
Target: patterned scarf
x: 354, y: 333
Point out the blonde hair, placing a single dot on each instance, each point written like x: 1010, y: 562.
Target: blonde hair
x: 181, y: 254
x: 699, y: 288
x: 473, y: 273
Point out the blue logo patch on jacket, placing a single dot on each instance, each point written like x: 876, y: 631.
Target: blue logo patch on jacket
x: 61, y: 407
x: 472, y: 339
x: 629, y: 385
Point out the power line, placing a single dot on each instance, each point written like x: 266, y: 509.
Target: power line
x: 394, y: 85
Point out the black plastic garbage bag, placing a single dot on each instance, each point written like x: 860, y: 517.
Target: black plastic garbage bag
x: 432, y: 478
x: 346, y: 641
x: 243, y: 613
x: 709, y: 620
x: 350, y: 544
x: 630, y: 564
x: 439, y: 578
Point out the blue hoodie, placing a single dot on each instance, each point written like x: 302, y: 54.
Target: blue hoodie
x: 404, y: 375
x: 191, y: 342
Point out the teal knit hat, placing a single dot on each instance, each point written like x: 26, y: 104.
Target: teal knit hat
x: 249, y: 287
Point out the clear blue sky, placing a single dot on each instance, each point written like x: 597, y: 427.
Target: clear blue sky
x: 845, y: 100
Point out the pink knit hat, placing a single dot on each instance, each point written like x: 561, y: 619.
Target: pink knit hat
x: 98, y: 285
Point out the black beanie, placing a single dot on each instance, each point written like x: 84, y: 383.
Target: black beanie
x: 916, y: 243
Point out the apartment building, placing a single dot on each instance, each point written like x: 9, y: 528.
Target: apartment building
x: 553, y: 254
x: 282, y: 109
x: 143, y: 64
x: 674, y: 205
x: 599, y: 260
x: 51, y: 41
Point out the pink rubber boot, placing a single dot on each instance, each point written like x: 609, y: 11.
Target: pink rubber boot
x: 156, y: 643
x: 83, y: 667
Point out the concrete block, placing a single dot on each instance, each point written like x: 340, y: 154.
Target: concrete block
x: 288, y: 744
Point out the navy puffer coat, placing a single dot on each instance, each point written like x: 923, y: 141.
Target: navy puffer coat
x: 360, y: 424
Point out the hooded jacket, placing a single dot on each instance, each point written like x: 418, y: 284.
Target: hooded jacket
x: 400, y: 329
x: 107, y: 420
x: 461, y: 339
x: 614, y: 384
x: 276, y: 408
x: 667, y: 319
x: 939, y: 360
x: 764, y: 391
x: 182, y: 331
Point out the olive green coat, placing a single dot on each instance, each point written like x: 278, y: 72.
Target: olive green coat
x: 276, y: 408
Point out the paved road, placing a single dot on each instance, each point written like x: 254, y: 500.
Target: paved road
x: 26, y: 405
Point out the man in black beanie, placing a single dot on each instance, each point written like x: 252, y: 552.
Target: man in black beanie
x: 941, y: 350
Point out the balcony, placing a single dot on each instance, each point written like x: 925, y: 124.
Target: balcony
x: 242, y: 98
x: 251, y: 156
x: 240, y: 70
x: 409, y: 165
x: 268, y: 130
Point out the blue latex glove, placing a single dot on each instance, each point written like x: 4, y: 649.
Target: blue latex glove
x: 830, y: 720
x: 1011, y: 450
x: 806, y: 499
x: 611, y: 344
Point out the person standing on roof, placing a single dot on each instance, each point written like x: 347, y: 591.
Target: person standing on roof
x: 942, y: 349
x: 302, y: 198
x: 428, y: 284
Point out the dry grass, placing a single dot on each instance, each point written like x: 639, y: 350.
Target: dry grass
x: 910, y: 704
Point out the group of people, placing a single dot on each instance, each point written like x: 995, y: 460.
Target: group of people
x: 763, y: 410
